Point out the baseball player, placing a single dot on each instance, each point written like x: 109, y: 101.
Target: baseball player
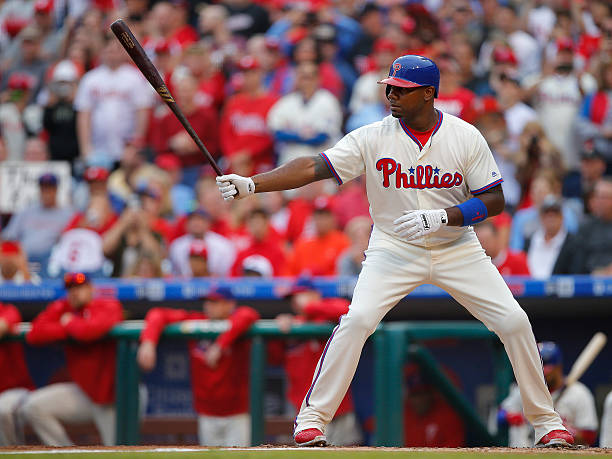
x: 575, y: 404
x: 90, y: 395
x: 219, y: 368
x: 429, y: 177
x: 15, y: 382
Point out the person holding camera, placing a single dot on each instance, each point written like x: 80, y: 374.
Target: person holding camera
x: 59, y: 116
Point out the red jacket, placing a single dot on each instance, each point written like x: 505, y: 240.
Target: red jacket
x: 205, y: 123
x: 300, y: 358
x: 243, y: 127
x: 13, y: 369
x: 510, y: 263
x: 441, y: 427
x: 219, y: 391
x: 90, y: 360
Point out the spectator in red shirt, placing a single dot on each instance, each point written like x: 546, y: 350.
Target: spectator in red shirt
x: 429, y: 421
x: 317, y: 255
x: 508, y: 262
x: 169, y: 136
x: 84, y: 321
x: 453, y: 97
x: 265, y: 243
x: 300, y: 358
x: 219, y: 368
x: 15, y: 383
x: 245, y: 139
x: 197, y: 61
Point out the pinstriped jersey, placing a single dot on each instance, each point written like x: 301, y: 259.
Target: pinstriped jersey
x: 454, y: 165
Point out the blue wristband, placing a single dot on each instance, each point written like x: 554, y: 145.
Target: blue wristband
x: 474, y: 211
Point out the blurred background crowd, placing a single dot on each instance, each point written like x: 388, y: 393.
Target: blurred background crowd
x: 265, y: 81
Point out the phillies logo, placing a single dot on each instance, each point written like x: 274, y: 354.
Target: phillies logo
x: 396, y: 68
x: 419, y: 177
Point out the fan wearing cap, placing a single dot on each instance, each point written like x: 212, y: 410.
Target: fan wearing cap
x: 429, y: 176
x: 25, y: 225
x: 317, y: 255
x: 219, y: 368
x: 14, y: 264
x: 18, y: 118
x: 575, y: 404
x: 81, y: 320
x: 245, y: 139
x: 59, y: 116
x: 548, y: 250
x: 198, y: 259
x: 299, y: 358
x: 265, y: 244
x: 220, y: 251
x: 16, y: 382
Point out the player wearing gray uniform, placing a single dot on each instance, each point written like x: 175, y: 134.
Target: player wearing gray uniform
x: 429, y: 176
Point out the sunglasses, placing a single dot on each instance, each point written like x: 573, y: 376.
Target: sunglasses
x: 74, y: 279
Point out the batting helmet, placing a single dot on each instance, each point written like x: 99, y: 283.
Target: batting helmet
x: 550, y: 353
x: 412, y: 71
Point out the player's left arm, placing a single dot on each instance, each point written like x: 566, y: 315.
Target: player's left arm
x: 493, y: 200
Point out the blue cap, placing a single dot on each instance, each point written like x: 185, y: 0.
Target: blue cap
x: 220, y: 293
x: 303, y: 284
x: 412, y: 71
x: 47, y: 179
x: 199, y: 212
x: 550, y: 353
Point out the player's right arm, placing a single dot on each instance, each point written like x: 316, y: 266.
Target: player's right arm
x: 294, y: 174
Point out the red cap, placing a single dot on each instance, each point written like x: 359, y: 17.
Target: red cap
x: 43, y: 6
x: 322, y: 204
x: 565, y: 44
x: 272, y: 43
x: 162, y: 46
x: 487, y: 104
x: 408, y: 25
x: 22, y: 81
x: 384, y: 44
x: 10, y: 248
x: 96, y: 173
x: 504, y: 56
x: 74, y: 279
x: 14, y: 25
x: 248, y: 63
x: 168, y: 162
x: 198, y: 249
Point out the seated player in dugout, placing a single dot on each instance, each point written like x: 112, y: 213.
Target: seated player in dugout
x: 430, y: 176
x: 219, y: 367
x: 299, y: 358
x: 575, y: 404
x: 429, y: 421
x: 81, y: 321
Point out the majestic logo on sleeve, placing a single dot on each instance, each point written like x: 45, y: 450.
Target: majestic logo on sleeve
x: 419, y: 177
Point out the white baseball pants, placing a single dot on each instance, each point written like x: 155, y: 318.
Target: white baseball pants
x: 224, y: 430
x: 605, y: 434
x: 391, y: 270
x: 10, y: 425
x: 50, y: 406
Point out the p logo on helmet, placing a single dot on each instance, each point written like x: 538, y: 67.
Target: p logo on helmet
x: 412, y: 71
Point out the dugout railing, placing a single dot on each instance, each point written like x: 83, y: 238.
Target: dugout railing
x: 394, y: 344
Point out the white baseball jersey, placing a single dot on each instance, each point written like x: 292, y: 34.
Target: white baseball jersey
x: 320, y: 114
x: 402, y: 175
x: 576, y: 407
x: 113, y: 97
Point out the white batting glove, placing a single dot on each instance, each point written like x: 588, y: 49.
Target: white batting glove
x: 233, y: 186
x: 417, y: 223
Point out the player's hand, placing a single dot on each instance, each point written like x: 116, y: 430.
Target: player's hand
x: 66, y: 317
x: 234, y: 186
x: 417, y: 223
x: 147, y: 355
x: 213, y: 354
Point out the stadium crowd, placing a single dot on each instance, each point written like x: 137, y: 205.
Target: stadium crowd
x: 263, y: 82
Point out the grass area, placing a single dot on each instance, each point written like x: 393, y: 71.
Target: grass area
x: 301, y: 454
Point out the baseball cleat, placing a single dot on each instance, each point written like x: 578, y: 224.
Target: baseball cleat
x: 310, y: 437
x: 556, y: 439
